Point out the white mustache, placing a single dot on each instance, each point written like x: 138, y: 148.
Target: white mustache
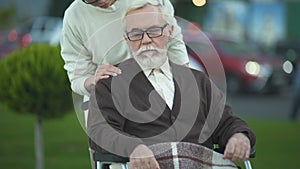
x: 148, y: 48
x: 150, y: 56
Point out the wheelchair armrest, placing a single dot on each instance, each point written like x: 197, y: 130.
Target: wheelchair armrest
x: 106, y: 157
x: 252, y: 153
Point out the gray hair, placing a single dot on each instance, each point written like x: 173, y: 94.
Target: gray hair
x: 138, y: 4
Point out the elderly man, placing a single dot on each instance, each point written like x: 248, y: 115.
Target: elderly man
x: 155, y: 100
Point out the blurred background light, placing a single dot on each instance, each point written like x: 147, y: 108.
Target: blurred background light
x: 199, y: 2
x: 287, y: 67
x: 252, y: 68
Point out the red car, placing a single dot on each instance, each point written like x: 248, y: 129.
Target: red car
x: 41, y: 29
x: 7, y: 43
x: 244, y: 69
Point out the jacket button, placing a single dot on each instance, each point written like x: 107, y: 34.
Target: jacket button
x: 173, y: 118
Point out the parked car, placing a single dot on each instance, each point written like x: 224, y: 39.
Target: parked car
x: 7, y: 43
x: 43, y: 29
x: 244, y: 69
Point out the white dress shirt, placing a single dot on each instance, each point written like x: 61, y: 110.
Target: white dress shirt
x: 162, y: 81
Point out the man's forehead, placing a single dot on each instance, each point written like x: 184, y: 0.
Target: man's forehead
x: 144, y: 20
x: 145, y: 9
x: 148, y: 15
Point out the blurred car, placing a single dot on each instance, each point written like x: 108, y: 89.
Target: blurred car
x: 244, y: 69
x: 43, y: 29
x: 7, y: 45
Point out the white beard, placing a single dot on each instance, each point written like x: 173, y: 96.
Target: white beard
x: 150, y: 57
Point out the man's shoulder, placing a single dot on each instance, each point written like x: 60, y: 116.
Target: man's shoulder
x: 126, y: 63
x: 190, y: 75
x: 184, y: 68
x: 129, y: 69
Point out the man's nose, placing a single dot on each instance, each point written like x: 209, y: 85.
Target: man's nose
x: 146, y: 39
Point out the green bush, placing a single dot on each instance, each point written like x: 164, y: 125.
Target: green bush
x: 7, y: 17
x: 33, y: 80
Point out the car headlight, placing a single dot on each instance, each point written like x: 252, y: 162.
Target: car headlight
x: 287, y: 67
x: 253, y: 68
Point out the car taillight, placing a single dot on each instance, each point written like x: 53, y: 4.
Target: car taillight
x: 26, y: 40
x: 12, y: 36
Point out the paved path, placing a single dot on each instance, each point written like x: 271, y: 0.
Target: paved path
x: 276, y: 106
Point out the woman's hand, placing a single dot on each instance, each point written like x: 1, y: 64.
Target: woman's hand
x: 102, y: 72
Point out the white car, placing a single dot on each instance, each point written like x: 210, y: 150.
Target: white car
x: 40, y: 30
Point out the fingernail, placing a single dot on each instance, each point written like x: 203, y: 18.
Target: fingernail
x: 120, y: 72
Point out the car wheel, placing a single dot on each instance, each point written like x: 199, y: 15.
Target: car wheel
x: 233, y: 84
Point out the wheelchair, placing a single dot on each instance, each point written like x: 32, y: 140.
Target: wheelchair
x: 106, y: 160
x: 111, y: 161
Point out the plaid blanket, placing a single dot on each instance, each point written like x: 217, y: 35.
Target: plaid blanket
x: 186, y: 156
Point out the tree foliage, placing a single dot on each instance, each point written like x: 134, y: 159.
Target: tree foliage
x: 33, y: 80
x: 7, y: 17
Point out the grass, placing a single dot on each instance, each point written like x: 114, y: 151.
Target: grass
x: 65, y: 143
x: 278, y: 144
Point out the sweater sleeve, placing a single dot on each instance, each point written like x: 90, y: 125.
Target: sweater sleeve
x: 177, y: 51
x: 228, y: 124
x: 78, y: 61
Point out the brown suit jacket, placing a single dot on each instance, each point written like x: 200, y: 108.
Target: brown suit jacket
x: 126, y: 111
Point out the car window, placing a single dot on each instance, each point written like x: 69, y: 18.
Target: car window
x: 52, y: 24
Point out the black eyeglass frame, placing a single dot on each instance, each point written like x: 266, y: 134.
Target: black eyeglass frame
x: 93, y: 1
x: 90, y: 2
x: 147, y: 32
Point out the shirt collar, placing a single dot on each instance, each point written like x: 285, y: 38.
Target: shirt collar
x: 165, y: 68
x: 147, y: 72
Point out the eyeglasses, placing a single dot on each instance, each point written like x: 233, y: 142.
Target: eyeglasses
x: 152, y: 32
x: 88, y: 2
